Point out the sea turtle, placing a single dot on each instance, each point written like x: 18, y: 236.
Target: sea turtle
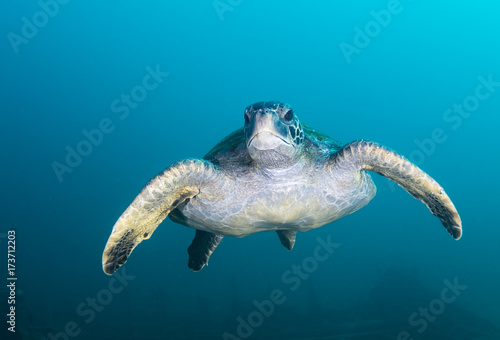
x: 273, y: 174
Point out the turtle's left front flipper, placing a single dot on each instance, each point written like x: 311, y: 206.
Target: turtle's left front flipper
x: 157, y: 199
x: 369, y: 156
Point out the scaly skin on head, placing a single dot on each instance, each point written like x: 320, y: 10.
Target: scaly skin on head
x: 274, y: 135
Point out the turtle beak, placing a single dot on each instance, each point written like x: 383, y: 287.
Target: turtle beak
x: 266, y: 140
x: 261, y: 132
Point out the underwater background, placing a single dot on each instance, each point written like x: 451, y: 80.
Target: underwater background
x: 97, y: 97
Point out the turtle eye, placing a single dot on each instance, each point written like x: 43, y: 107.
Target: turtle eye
x: 247, y: 120
x: 289, y: 115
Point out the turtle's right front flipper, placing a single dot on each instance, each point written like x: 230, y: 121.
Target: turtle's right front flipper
x: 157, y: 199
x: 369, y: 156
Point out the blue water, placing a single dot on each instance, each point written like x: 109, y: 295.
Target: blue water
x: 99, y: 96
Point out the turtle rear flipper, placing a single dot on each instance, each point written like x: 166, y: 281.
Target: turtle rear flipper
x: 370, y: 156
x: 287, y: 238
x: 203, y: 245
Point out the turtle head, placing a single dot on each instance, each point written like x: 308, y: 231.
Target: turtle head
x: 274, y: 135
